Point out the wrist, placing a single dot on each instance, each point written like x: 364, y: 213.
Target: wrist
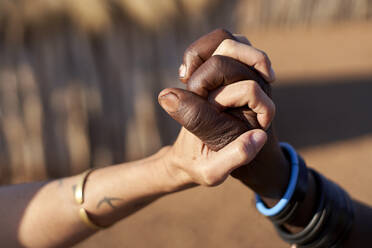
x: 305, y: 209
x: 171, y: 177
x: 287, y: 208
x: 279, y: 174
x: 268, y: 175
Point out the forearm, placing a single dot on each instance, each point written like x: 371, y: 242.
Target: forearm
x: 359, y: 235
x: 118, y: 191
x: 41, y: 214
x: 46, y: 214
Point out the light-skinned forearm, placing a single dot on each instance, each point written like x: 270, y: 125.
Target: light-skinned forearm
x: 45, y: 214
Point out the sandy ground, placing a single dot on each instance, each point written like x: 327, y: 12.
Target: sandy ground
x: 333, y: 133
x: 322, y: 52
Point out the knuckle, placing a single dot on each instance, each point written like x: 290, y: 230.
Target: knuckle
x: 262, y: 58
x: 272, y: 108
x: 190, y: 52
x: 226, y: 44
x: 243, y: 151
x: 252, y: 88
x: 222, y: 32
x: 245, y: 89
x: 208, y: 177
x: 216, y: 61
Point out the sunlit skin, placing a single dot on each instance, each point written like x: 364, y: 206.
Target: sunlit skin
x: 225, y: 94
x: 204, y: 73
x: 221, y: 42
x: 45, y: 214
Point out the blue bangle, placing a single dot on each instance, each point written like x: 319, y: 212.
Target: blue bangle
x: 291, y: 186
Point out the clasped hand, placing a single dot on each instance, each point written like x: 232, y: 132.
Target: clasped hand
x: 224, y: 113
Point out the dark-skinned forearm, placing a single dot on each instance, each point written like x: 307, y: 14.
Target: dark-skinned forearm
x: 359, y: 235
x: 268, y: 175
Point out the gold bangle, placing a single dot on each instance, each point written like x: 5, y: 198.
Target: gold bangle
x: 79, y: 198
x: 85, y: 218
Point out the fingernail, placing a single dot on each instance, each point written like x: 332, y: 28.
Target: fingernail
x: 272, y: 74
x: 258, y: 138
x: 169, y: 101
x: 182, y: 71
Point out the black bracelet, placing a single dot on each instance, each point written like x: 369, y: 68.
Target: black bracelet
x: 331, y: 222
x: 339, y: 224
x: 320, y: 213
x: 286, y: 214
x: 324, y: 235
x: 337, y: 233
x: 284, y: 233
x: 343, y: 236
x: 290, y: 211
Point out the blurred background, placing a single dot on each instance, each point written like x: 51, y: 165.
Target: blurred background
x: 79, y: 81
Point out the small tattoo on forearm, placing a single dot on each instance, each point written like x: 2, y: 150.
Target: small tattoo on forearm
x: 60, y: 182
x: 109, y: 201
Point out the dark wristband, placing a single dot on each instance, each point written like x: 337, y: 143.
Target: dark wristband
x: 332, y: 219
x: 299, y: 194
x: 320, y: 213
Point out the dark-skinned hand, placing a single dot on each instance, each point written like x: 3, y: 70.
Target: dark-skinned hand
x: 211, y: 67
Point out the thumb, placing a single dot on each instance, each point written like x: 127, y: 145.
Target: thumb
x: 215, y: 128
x: 239, y: 152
